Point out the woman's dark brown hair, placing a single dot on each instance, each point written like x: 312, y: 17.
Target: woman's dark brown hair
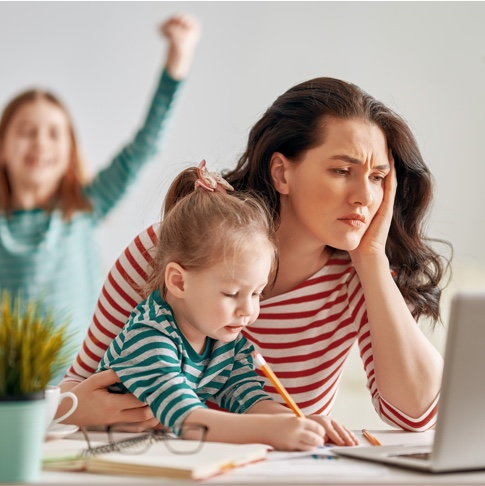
x: 295, y: 123
x: 70, y: 196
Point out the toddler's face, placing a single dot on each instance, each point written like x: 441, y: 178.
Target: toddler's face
x: 37, y: 147
x: 222, y: 300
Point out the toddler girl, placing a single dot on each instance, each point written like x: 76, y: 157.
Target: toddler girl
x: 183, y: 345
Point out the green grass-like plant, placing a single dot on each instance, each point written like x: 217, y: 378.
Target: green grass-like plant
x: 33, y: 348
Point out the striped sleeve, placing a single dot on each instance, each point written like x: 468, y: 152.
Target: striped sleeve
x: 147, y: 362
x: 386, y: 411
x: 244, y: 388
x: 111, y: 183
x: 119, y: 296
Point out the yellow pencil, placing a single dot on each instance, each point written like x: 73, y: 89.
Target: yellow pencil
x: 370, y: 438
x: 276, y: 383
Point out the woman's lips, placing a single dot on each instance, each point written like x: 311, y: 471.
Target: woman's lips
x: 355, y: 223
x: 354, y: 220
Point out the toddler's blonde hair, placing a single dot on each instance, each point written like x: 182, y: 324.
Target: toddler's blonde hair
x: 202, y: 228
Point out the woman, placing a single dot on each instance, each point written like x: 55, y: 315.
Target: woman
x: 349, y: 191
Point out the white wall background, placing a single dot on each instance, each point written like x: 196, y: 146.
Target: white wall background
x: 425, y: 59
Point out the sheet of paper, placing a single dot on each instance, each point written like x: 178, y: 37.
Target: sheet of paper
x: 320, y: 452
x: 295, y: 471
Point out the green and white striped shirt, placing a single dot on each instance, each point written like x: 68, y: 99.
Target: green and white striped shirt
x: 155, y: 362
x: 44, y: 256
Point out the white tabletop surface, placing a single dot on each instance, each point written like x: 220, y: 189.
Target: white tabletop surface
x: 299, y: 471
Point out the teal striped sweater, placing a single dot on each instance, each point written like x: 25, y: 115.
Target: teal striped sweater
x: 156, y: 363
x: 44, y: 256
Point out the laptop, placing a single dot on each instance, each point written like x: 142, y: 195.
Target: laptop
x: 459, y: 439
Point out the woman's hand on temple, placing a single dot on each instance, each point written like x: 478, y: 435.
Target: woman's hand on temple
x: 96, y: 406
x: 373, y: 243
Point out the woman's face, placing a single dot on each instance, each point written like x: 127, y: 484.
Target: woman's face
x: 331, y: 195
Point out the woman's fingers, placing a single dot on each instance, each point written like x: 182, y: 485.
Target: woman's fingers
x: 133, y: 410
x: 102, y: 379
x: 96, y: 406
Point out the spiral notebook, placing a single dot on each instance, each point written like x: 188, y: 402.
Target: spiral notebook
x: 459, y: 439
x: 213, y: 459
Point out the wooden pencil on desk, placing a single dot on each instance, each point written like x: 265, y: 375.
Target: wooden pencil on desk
x: 370, y: 438
x: 276, y: 383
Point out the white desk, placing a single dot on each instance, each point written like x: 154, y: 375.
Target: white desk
x: 298, y: 472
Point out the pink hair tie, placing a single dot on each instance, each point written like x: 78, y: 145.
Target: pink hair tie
x: 211, y: 181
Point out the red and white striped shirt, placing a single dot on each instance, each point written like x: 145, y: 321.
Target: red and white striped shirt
x: 305, y: 335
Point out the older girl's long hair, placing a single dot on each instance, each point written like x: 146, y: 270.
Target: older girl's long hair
x: 296, y: 122
x: 202, y: 228
x: 70, y: 197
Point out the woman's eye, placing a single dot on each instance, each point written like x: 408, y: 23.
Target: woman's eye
x: 341, y: 171
x: 378, y: 178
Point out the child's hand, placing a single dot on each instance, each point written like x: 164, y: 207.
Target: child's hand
x: 289, y: 433
x: 182, y: 33
x: 335, y: 432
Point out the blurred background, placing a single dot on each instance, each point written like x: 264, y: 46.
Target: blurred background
x: 426, y: 60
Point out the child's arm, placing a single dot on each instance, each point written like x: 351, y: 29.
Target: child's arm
x: 281, y: 431
x: 111, y: 183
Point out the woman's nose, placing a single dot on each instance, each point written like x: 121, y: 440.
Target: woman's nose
x: 362, y: 194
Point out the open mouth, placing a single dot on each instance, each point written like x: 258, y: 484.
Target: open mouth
x: 40, y: 162
x: 234, y: 329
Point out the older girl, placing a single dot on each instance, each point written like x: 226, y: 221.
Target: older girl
x: 48, y: 211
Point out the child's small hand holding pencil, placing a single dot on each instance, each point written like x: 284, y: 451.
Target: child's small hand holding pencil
x: 334, y: 431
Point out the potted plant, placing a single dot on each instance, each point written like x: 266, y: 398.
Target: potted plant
x: 33, y: 348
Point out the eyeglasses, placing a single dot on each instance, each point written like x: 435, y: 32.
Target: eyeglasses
x: 130, y: 439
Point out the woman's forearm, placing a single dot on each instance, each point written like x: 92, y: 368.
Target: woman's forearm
x: 407, y: 366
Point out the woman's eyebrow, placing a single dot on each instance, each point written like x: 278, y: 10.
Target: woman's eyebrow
x: 353, y: 160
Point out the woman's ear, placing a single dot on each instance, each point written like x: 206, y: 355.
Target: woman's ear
x: 175, y: 279
x: 278, y: 169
